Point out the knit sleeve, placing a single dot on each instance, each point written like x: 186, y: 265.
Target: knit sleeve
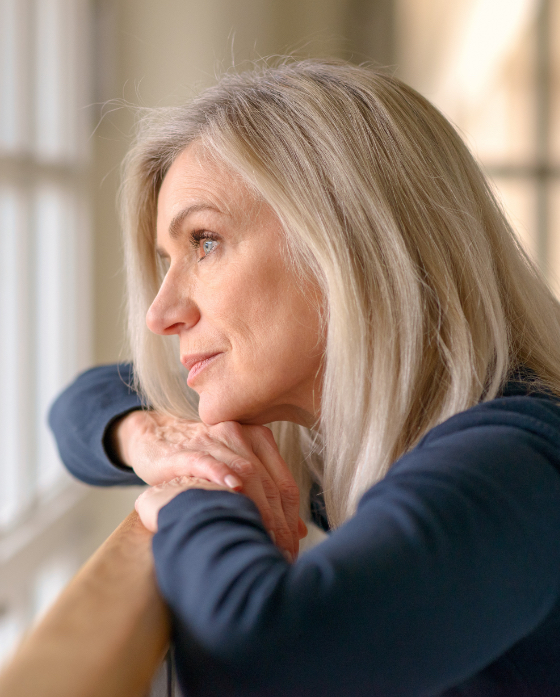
x: 449, y: 561
x: 81, y: 416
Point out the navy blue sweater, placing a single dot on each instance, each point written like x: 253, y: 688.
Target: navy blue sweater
x: 445, y: 582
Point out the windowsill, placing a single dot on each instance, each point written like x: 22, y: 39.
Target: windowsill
x: 39, y: 516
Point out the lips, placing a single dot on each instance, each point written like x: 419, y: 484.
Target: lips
x: 196, y: 362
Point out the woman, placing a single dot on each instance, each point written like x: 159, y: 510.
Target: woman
x: 330, y: 258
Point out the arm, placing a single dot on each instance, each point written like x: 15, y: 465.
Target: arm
x: 100, y: 409
x: 81, y: 417
x: 448, y: 562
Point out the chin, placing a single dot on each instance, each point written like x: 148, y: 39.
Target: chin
x: 213, y: 411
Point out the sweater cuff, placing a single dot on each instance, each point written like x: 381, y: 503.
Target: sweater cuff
x: 192, y: 503
x: 107, y: 441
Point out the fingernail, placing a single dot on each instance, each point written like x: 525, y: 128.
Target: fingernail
x: 288, y: 556
x: 232, y: 482
x: 272, y: 536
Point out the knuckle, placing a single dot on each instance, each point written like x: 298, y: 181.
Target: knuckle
x: 217, y: 467
x: 243, y: 467
x: 230, y: 431
x: 232, y: 427
x: 289, y: 491
x: 199, y: 459
x: 270, y: 489
x: 198, y: 439
x: 220, y: 428
x: 262, y: 432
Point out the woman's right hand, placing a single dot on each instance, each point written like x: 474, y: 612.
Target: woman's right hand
x: 160, y: 448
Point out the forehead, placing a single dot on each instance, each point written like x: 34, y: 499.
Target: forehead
x: 198, y: 182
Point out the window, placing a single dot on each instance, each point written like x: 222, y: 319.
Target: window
x: 492, y: 67
x: 44, y: 281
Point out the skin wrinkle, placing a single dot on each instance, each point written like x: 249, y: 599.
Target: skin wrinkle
x: 243, y: 299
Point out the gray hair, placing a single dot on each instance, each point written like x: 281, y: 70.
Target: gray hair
x: 430, y: 301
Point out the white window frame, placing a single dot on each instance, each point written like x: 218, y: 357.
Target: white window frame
x: 45, y: 292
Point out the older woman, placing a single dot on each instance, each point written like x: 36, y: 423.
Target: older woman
x: 314, y: 247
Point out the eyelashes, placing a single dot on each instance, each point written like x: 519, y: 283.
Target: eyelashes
x: 209, y: 242
x: 202, y: 242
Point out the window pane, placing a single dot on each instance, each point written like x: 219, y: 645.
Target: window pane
x: 519, y: 199
x: 480, y: 77
x: 14, y: 76
x: 554, y: 238
x: 11, y: 627
x: 16, y: 368
x: 55, y: 312
x: 44, y: 288
x: 555, y: 82
x: 56, y: 108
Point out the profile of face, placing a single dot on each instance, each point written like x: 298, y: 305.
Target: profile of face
x: 249, y: 331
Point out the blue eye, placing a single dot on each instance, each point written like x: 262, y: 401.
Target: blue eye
x: 208, y: 246
x: 204, y: 243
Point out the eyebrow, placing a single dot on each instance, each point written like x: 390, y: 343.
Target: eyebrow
x: 177, y: 222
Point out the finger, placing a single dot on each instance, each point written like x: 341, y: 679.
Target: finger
x: 161, y: 449
x: 230, y: 443
x: 284, y: 533
x: 261, y: 489
x: 210, y: 466
x: 151, y: 501
x: 302, y: 529
x: 272, y: 516
x: 266, y: 450
x: 223, y: 465
x: 255, y: 483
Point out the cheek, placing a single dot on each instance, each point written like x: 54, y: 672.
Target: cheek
x: 252, y: 309
x: 278, y: 333
x: 274, y: 358
x: 270, y: 324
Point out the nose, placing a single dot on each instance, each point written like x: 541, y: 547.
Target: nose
x: 172, y: 310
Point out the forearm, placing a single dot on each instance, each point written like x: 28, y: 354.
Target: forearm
x: 387, y: 605
x: 81, y: 416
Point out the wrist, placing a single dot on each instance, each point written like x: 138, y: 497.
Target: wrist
x: 121, y: 434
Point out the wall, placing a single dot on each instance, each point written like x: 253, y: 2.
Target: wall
x: 158, y: 53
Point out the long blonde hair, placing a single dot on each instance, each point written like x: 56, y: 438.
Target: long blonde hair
x: 430, y: 301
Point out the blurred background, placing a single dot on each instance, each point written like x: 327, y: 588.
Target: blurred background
x: 66, y: 69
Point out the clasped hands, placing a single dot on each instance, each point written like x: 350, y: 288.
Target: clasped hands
x: 173, y: 455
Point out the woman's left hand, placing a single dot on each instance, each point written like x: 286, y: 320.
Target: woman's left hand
x: 208, y: 453
x: 151, y: 501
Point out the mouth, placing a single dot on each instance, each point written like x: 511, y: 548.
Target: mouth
x: 196, y: 363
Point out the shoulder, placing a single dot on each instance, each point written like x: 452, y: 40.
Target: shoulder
x: 517, y: 418
x: 508, y: 446
x: 121, y: 373
x: 487, y: 476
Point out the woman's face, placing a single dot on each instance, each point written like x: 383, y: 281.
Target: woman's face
x: 249, y: 333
